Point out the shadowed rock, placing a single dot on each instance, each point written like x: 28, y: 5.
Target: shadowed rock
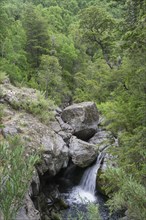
x: 83, y: 118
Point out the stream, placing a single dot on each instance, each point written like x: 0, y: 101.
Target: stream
x: 80, y: 195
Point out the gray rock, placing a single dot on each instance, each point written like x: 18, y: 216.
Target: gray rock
x: 55, y: 126
x: 9, y: 130
x: 55, y: 154
x: 81, y: 152
x: 83, y: 118
x: 35, y: 185
x: 103, y: 139
x: 28, y: 211
x: 65, y: 135
x: 64, y: 126
x: 37, y: 138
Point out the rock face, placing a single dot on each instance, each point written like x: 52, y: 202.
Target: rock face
x: 83, y: 118
x: 103, y: 139
x: 38, y: 138
x: 28, y: 211
x: 54, y: 140
x: 81, y: 152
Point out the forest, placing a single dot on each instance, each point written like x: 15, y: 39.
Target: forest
x: 87, y: 50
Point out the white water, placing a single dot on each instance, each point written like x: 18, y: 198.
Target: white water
x: 85, y: 191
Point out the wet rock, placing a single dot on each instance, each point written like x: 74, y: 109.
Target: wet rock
x: 104, y: 141
x: 83, y: 118
x: 81, y: 152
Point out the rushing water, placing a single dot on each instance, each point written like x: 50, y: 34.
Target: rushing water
x: 85, y: 191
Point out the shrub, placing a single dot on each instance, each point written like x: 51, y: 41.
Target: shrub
x: 16, y: 170
x: 93, y: 212
x: 41, y: 107
x: 128, y: 193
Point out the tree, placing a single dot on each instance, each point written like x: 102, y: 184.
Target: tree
x: 37, y: 35
x: 49, y: 77
x: 98, y: 28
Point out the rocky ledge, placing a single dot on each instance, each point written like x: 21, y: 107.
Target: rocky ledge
x: 64, y: 137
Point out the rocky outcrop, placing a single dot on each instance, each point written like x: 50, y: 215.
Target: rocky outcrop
x: 53, y: 140
x: 81, y: 152
x: 102, y: 139
x: 83, y: 118
x: 38, y: 138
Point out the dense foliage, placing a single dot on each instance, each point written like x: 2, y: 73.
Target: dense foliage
x: 86, y: 50
x: 12, y: 156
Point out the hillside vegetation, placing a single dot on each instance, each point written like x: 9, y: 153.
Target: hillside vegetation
x: 88, y: 50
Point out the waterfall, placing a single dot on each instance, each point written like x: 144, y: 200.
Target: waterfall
x: 85, y: 191
x: 88, y: 181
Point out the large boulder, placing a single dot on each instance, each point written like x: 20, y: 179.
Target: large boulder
x: 81, y: 152
x: 83, y: 118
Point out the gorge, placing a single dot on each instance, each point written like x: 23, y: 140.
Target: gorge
x: 68, y: 139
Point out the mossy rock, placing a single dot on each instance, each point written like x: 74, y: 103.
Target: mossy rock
x: 63, y: 204
x: 55, y: 216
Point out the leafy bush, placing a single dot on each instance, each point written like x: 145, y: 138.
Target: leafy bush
x: 127, y: 193
x: 16, y: 170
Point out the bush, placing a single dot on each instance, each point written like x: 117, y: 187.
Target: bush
x: 128, y: 194
x: 41, y: 107
x: 93, y: 212
x: 16, y: 170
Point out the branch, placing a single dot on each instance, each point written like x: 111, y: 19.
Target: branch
x: 104, y: 52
